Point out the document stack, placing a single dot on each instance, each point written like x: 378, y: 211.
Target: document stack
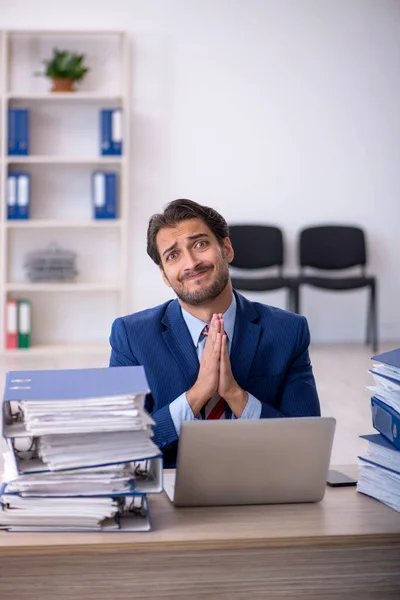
x: 80, y: 454
x: 51, y: 264
x: 379, y: 470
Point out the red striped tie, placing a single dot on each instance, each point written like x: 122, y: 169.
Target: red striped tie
x: 215, y: 407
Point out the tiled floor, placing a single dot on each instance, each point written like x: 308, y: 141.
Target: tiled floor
x: 341, y: 372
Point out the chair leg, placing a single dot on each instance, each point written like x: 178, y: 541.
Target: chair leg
x: 289, y: 300
x: 374, y: 319
x: 296, y: 298
x: 369, y: 320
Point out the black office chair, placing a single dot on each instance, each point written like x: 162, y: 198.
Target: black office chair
x: 259, y: 247
x: 334, y: 247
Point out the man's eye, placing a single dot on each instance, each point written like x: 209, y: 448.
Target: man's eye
x: 200, y: 244
x: 171, y: 256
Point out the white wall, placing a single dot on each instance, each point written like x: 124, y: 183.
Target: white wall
x: 286, y: 112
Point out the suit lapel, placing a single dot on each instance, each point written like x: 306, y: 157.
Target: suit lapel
x: 245, y: 341
x: 179, y: 342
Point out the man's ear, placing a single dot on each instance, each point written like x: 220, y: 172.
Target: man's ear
x: 229, y: 253
x: 165, y: 278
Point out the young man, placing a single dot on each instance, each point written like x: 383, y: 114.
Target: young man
x: 211, y: 353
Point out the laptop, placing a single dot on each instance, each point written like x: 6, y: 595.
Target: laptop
x: 265, y: 461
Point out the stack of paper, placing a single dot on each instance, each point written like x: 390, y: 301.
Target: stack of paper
x: 51, y: 264
x: 142, y: 477
x: 112, y: 413
x: 379, y: 469
x: 71, y: 514
x: 77, y: 452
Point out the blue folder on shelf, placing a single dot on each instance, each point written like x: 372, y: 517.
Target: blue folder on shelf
x: 18, y: 131
x: 18, y: 195
x: 12, y: 195
x: 386, y: 420
x: 104, y: 195
x: 111, y: 132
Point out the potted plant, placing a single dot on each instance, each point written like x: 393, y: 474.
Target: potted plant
x: 64, y: 69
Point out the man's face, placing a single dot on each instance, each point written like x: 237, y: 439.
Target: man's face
x: 194, y: 265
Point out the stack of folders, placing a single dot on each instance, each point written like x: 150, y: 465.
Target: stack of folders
x: 379, y: 470
x: 80, y: 455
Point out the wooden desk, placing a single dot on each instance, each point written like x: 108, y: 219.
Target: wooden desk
x: 347, y: 546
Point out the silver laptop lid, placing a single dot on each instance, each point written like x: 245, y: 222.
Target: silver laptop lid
x: 265, y: 461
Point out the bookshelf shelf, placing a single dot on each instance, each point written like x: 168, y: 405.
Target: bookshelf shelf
x: 62, y: 287
x: 63, y: 224
x: 66, y: 160
x: 65, y: 138
x: 65, y: 96
x: 65, y: 348
x: 65, y: 32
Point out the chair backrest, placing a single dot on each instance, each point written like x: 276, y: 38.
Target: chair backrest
x: 332, y: 247
x: 256, y: 246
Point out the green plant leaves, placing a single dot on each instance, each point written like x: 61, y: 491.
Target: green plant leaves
x: 65, y: 65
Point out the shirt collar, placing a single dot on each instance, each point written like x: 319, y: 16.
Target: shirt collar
x: 196, y: 326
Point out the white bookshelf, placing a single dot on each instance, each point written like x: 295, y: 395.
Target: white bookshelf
x: 63, y: 349
x: 62, y: 287
x: 64, y: 151
x: 64, y: 224
x: 64, y: 97
x: 65, y: 160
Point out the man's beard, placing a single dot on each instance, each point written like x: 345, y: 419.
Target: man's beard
x: 207, y: 294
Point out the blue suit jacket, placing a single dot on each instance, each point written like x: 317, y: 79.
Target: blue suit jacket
x: 269, y: 359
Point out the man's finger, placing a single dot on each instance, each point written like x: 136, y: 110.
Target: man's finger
x: 214, y: 325
x: 217, y: 346
x: 224, y: 350
x: 221, y: 325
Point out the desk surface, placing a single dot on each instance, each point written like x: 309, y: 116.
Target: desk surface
x: 344, y: 517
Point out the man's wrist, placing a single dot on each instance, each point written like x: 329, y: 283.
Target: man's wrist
x: 237, y: 400
x: 196, y: 400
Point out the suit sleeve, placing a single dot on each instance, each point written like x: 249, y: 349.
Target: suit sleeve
x: 122, y: 356
x: 299, y: 397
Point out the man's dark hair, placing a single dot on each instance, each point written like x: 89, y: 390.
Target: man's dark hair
x: 181, y: 210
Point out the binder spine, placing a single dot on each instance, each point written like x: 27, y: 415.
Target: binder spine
x: 386, y: 420
x: 116, y: 131
x: 12, y: 132
x: 12, y: 205
x: 105, y: 132
x: 111, y: 196
x: 23, y: 195
x: 24, y: 323
x: 98, y: 194
x: 11, y: 324
x: 23, y: 131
